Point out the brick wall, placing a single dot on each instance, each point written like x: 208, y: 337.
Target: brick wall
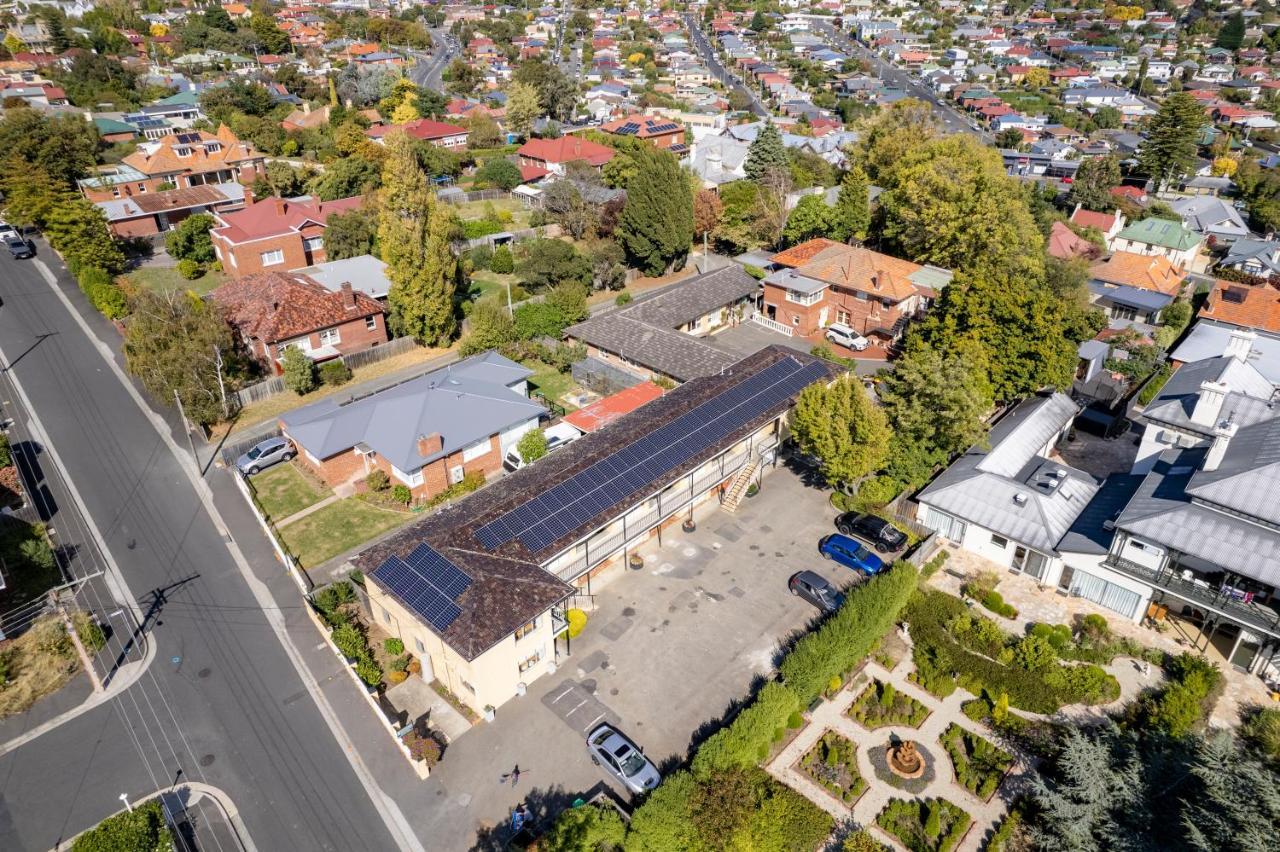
x: 248, y: 256
x: 349, y: 465
x: 143, y: 226
x: 862, y: 315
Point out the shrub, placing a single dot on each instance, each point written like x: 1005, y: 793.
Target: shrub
x: 350, y: 641
x: 423, y: 747
x: 299, y: 371
x: 393, y: 646
x: 503, y: 262
x: 746, y: 741
x: 189, y: 269
x: 934, y: 565
x: 401, y: 663
x: 106, y: 298
x: 532, y: 445
x: 1179, y: 708
x: 876, y: 492
x: 142, y: 829
x: 577, y: 622
x: 869, y: 611
x: 995, y: 602
x: 623, y: 298
x: 981, y: 584
x: 1154, y: 384
x: 90, y: 633
x: 368, y: 671
x: 335, y: 373
x: 1262, y: 730
x: 835, y: 684
x: 377, y: 480
x: 933, y: 823
x: 1057, y: 635
x: 1095, y: 628
x: 795, y: 720
x: 401, y: 494
x: 1034, y: 653
x: 481, y: 256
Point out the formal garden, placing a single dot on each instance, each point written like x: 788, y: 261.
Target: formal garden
x: 881, y: 705
x: 924, y: 825
x: 832, y: 763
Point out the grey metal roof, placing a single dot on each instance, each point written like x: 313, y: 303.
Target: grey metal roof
x: 1011, y: 489
x: 1247, y: 479
x: 1161, y: 512
x: 792, y: 280
x: 1265, y: 251
x: 1089, y: 533
x: 1090, y: 350
x: 365, y: 273
x: 645, y: 332
x: 1148, y: 300
x: 463, y: 403
x: 1246, y: 403
x: 1208, y: 339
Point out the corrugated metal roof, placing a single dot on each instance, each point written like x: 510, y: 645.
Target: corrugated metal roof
x: 1247, y: 479
x: 1022, y: 433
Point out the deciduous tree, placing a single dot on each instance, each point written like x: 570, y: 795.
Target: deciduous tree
x: 350, y: 234
x: 191, y: 240
x: 842, y: 427
x: 811, y: 217
x: 523, y: 108
x: 707, y: 210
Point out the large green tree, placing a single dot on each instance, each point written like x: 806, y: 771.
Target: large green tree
x: 523, y: 108
x: 840, y: 425
x: 852, y: 216
x: 767, y: 155
x: 1169, y: 151
x: 269, y: 35
x: 811, y: 217
x: 415, y: 232
x: 1093, y: 183
x: 950, y: 203
x: 64, y: 146
x: 656, y: 227
x: 350, y: 234
x: 78, y: 229
x: 191, y: 240
x: 892, y: 134
x: 1231, y: 35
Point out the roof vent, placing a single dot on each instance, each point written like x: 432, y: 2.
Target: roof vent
x: 1109, y: 524
x: 1020, y: 499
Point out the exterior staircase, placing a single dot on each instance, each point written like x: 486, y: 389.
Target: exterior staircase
x: 741, y: 482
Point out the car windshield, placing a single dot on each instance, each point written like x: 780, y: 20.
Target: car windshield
x: 255, y: 452
x: 632, y: 764
x: 861, y: 553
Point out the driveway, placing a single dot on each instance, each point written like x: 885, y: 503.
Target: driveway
x: 667, y: 651
x: 747, y: 338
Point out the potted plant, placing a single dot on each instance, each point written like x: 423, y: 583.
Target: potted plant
x: 636, y: 561
x: 753, y: 489
x: 689, y: 524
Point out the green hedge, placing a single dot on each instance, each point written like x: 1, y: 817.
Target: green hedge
x: 1186, y: 699
x: 746, y: 741
x: 141, y: 830
x: 847, y: 636
x: 108, y: 299
x: 994, y: 601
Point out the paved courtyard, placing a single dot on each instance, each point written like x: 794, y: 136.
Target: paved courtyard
x: 748, y: 337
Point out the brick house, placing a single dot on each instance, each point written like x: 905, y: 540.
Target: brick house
x: 438, y: 133
x: 426, y: 433
x: 823, y: 282
x: 661, y: 132
x: 155, y: 213
x: 275, y: 233
x: 274, y: 310
x: 179, y: 160
x: 538, y: 158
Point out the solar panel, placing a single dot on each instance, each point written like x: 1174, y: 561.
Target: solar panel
x: 639, y: 465
x: 427, y: 583
x: 188, y: 138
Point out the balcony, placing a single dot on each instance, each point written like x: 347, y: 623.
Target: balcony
x: 1223, y: 600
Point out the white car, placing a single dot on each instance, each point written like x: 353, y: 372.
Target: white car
x: 557, y: 436
x: 7, y: 231
x: 841, y: 335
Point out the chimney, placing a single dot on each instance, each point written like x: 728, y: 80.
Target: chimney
x: 248, y: 196
x: 429, y: 445
x: 306, y: 107
x: 1222, y: 436
x: 348, y: 295
x: 279, y: 203
x: 1240, y: 344
x: 1209, y: 403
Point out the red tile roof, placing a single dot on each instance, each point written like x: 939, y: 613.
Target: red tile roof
x: 272, y: 216
x: 604, y: 411
x: 1248, y: 305
x: 275, y: 306
x: 1064, y: 244
x: 423, y: 128
x: 1104, y: 222
x: 566, y: 149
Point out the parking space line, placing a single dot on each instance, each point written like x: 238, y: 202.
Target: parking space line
x: 567, y: 690
x: 594, y: 721
x: 576, y: 707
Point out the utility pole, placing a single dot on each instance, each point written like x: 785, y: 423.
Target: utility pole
x: 186, y: 427
x: 510, y: 313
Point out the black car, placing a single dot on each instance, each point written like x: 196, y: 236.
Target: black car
x: 882, y: 535
x: 815, y: 590
x: 19, y: 247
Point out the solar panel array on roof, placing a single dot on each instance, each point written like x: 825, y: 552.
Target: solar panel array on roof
x: 427, y: 583
x: 188, y: 138
x: 628, y: 129
x: 661, y: 128
x: 641, y: 464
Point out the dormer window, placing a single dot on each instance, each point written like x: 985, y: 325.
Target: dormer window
x: 212, y: 147
x: 183, y: 151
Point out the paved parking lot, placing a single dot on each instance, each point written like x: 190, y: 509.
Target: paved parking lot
x: 748, y: 338
x: 668, y: 650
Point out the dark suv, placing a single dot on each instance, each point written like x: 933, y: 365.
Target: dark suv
x: 19, y: 247
x: 882, y: 535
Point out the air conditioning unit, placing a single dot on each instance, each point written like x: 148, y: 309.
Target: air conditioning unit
x: 1020, y: 499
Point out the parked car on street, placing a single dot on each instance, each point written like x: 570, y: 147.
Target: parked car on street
x: 622, y: 758
x: 7, y: 231
x: 264, y: 454
x: 850, y: 553
x: 19, y: 247
x: 816, y: 590
x: 841, y: 335
x: 883, y: 535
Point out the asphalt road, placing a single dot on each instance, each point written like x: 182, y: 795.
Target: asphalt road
x: 708, y: 53
x: 953, y: 121
x: 427, y: 71
x: 221, y: 703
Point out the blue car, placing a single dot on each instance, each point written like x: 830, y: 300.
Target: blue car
x: 850, y: 553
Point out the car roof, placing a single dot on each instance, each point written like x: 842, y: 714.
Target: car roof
x: 844, y: 539
x: 812, y: 578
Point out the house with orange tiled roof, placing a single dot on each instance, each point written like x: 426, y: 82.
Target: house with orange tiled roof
x: 272, y: 311
x: 275, y: 233
x: 821, y: 282
x: 1108, y: 224
x: 538, y: 158
x: 179, y: 160
x: 1131, y: 287
x: 1252, y: 306
x: 660, y: 132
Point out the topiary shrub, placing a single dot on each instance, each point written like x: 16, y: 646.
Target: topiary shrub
x: 402, y: 494
x: 995, y: 602
x: 577, y: 622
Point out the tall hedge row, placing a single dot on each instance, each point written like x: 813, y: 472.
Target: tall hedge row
x: 848, y: 636
x: 746, y: 741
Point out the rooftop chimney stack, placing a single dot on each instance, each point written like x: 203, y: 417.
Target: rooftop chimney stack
x: 1222, y: 436
x: 1240, y: 344
x: 429, y: 445
x: 348, y: 295
x: 1209, y: 403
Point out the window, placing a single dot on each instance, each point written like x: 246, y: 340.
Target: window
x: 1123, y: 312
x: 476, y: 450
x: 371, y: 323
x: 313, y: 243
x: 795, y: 320
x: 271, y: 258
x: 469, y: 687
x: 456, y: 473
x: 842, y: 317
x: 330, y: 336
x: 183, y: 151
x: 804, y: 298
x: 526, y: 629
x: 999, y: 541
x: 530, y: 662
x: 142, y: 188
x: 417, y: 643
x: 115, y: 192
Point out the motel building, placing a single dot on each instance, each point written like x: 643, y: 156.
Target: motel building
x: 478, y: 591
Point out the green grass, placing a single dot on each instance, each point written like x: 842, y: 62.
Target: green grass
x: 550, y: 382
x: 492, y: 284
x: 479, y: 209
x: 282, y: 490
x: 163, y: 279
x: 1028, y: 102
x: 337, y: 528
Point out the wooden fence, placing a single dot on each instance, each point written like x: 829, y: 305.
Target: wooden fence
x: 355, y: 360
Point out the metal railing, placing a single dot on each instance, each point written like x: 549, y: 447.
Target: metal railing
x: 1217, y: 600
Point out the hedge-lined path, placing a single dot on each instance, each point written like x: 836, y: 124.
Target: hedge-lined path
x: 833, y: 715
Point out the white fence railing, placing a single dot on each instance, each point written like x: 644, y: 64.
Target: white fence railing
x: 772, y: 325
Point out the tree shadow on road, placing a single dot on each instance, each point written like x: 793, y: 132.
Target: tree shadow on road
x: 544, y: 805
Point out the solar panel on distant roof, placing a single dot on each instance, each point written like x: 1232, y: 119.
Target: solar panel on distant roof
x: 642, y: 463
x: 188, y: 138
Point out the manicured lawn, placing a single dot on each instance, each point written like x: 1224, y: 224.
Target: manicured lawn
x: 880, y: 705
x: 480, y: 209
x: 165, y: 278
x: 337, y: 528
x: 551, y: 382
x: 283, y: 490
x: 493, y: 284
x: 1029, y: 102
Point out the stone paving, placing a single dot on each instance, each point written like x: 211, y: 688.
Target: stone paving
x: 833, y: 715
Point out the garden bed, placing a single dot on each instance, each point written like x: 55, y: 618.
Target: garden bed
x: 832, y: 764
x: 980, y: 765
x: 881, y: 705
x: 879, y: 757
x: 929, y: 825
x: 36, y: 664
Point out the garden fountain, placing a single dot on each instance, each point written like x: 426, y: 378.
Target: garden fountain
x: 904, y: 760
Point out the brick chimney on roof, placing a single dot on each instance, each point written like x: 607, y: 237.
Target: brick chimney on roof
x: 429, y: 445
x: 280, y: 205
x: 348, y: 295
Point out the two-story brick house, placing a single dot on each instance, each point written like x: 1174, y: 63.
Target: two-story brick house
x: 176, y: 161
x: 821, y: 282
x: 426, y: 433
x: 658, y: 131
x: 275, y: 234
x: 538, y: 158
x: 274, y: 310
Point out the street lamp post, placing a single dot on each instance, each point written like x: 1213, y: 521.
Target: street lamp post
x: 124, y: 797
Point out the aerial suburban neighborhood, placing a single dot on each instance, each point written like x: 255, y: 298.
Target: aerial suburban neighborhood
x: 772, y: 425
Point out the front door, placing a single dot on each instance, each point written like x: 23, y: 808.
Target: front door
x: 822, y: 318
x: 1019, y: 557
x: 1064, y: 581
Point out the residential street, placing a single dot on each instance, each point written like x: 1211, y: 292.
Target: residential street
x: 221, y: 704
x: 708, y: 53
x: 429, y: 68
